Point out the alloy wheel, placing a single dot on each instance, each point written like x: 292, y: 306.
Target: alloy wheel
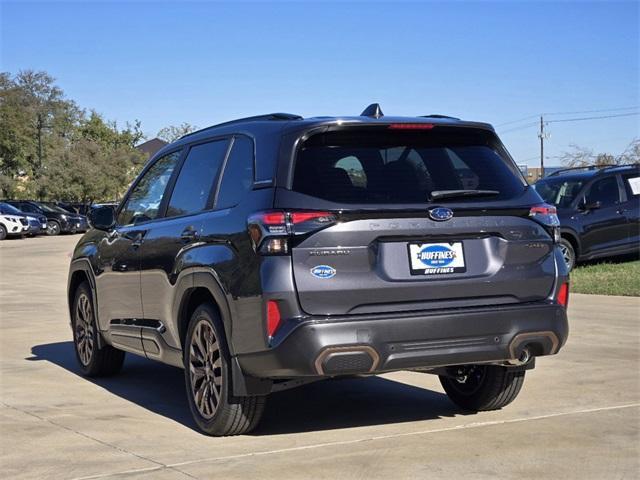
x: 567, y: 255
x: 53, y: 228
x: 205, y: 369
x: 84, y: 329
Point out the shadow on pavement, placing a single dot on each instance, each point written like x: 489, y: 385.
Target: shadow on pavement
x: 324, y: 405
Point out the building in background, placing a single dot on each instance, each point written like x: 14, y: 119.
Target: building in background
x: 150, y: 147
x: 532, y: 174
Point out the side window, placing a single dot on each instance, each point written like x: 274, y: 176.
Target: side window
x: 144, y: 201
x: 237, y: 178
x: 196, y: 178
x: 354, y: 169
x: 604, y: 191
x: 632, y: 186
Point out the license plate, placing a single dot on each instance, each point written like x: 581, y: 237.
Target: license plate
x: 436, y: 258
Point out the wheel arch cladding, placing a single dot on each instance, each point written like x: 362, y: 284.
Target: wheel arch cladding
x: 205, y: 289
x: 76, y: 278
x: 572, y: 238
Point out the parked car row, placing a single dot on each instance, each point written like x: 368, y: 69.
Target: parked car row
x: 19, y: 218
x: 598, y: 208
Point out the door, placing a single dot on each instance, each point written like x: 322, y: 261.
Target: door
x: 604, y: 226
x: 118, y: 281
x: 166, y: 248
x: 631, y: 206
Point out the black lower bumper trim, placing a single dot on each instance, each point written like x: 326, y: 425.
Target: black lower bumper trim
x: 374, y: 344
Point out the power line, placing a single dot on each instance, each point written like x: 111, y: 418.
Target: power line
x: 593, y: 118
x: 569, y: 113
x: 593, y: 111
x: 516, y: 121
x: 521, y: 127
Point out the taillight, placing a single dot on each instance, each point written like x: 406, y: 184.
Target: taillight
x: 273, y: 317
x: 547, y: 215
x: 270, y: 231
x: 563, y: 295
x: 411, y: 126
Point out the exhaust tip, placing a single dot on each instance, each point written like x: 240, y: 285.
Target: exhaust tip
x: 347, y: 360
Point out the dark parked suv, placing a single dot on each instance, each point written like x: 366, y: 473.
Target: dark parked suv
x: 59, y: 220
x: 599, y: 210
x: 272, y: 251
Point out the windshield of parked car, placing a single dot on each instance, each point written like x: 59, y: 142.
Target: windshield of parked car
x: 9, y: 209
x: 559, y: 192
x: 48, y: 207
x: 387, y: 166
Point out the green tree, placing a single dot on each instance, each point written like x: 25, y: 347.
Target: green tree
x: 173, y: 133
x: 51, y: 149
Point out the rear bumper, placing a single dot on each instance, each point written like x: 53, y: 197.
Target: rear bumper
x: 379, y: 343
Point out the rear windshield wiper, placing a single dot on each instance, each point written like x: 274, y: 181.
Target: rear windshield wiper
x: 440, y: 194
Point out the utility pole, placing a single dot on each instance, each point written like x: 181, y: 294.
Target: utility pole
x: 542, y: 136
x: 40, y: 126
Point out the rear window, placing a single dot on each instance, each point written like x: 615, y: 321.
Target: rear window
x: 376, y: 166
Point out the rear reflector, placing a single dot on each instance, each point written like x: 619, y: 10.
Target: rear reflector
x: 411, y: 126
x: 273, y: 317
x: 563, y: 295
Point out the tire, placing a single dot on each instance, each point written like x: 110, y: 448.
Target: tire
x: 94, y: 361
x: 207, y: 376
x: 568, y: 253
x: 3, y: 232
x: 486, y: 387
x: 53, y: 228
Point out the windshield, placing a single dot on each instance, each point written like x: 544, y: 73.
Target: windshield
x: 391, y: 167
x: 9, y: 209
x: 51, y: 208
x: 559, y: 192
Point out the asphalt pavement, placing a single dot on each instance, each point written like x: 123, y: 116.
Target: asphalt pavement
x: 577, y: 416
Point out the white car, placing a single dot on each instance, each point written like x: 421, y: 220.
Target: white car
x: 12, y: 225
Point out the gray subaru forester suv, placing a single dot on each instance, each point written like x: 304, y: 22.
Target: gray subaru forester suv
x: 268, y: 252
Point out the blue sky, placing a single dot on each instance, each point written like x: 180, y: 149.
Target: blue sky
x: 206, y: 62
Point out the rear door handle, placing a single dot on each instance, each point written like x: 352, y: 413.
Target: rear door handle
x: 189, y: 234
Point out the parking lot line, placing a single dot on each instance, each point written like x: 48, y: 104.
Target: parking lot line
x: 471, y: 425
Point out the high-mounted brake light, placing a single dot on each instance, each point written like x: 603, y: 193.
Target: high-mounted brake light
x: 563, y: 295
x: 411, y: 126
x: 273, y: 317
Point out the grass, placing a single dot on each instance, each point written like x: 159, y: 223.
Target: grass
x: 614, y: 276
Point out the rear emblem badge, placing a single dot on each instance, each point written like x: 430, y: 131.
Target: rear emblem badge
x: 323, y: 271
x: 440, y: 214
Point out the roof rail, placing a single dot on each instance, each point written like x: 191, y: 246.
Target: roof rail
x: 437, y: 115
x: 255, y: 118
x: 591, y: 167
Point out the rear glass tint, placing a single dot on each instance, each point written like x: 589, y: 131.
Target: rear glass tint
x: 375, y: 166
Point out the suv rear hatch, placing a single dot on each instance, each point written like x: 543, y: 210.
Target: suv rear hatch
x: 417, y: 217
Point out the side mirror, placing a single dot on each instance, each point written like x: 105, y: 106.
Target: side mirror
x: 102, y: 218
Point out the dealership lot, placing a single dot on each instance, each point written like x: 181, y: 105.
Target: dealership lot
x: 578, y: 415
